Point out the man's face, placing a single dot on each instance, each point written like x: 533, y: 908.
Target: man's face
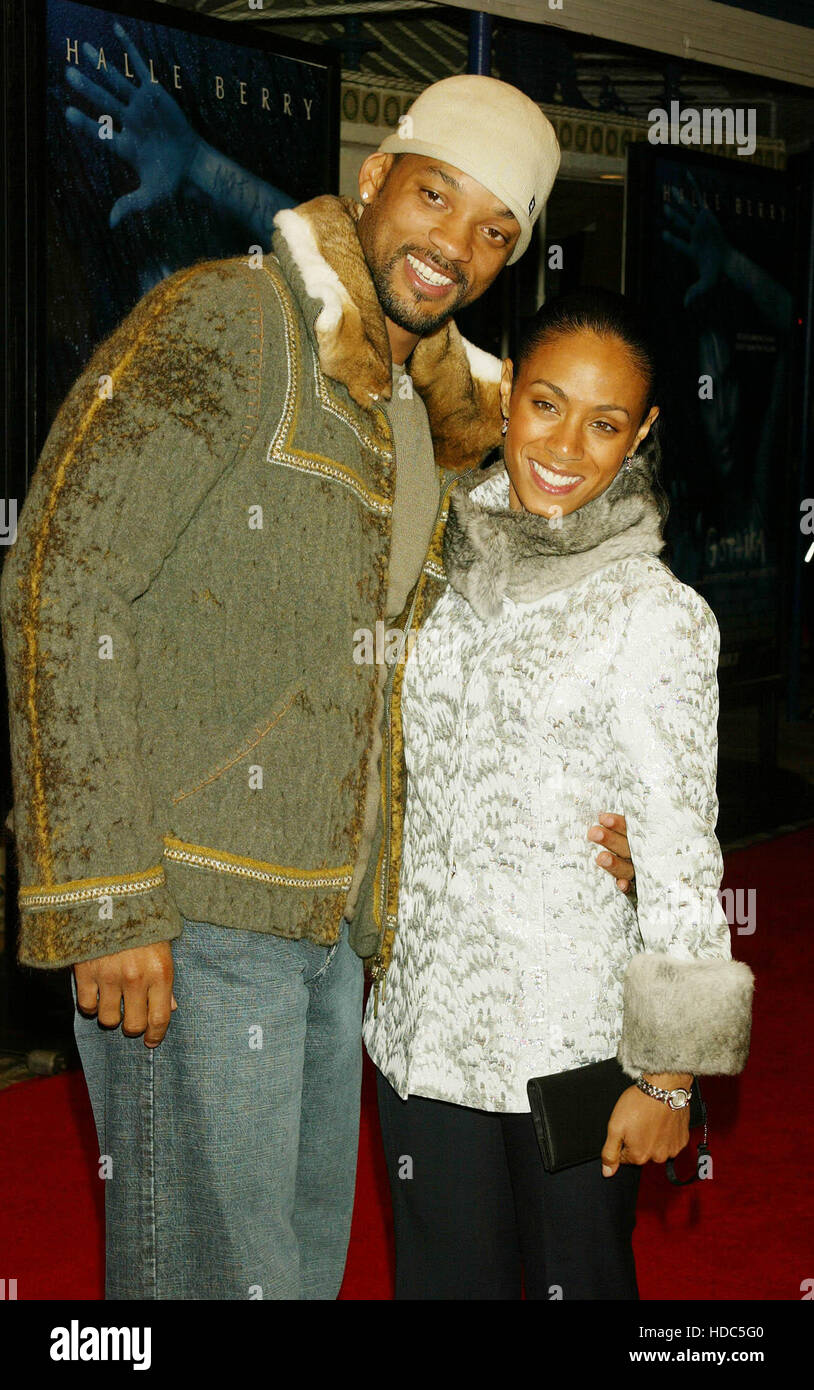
x: 433, y: 238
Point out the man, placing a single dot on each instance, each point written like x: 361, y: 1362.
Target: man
x: 240, y: 483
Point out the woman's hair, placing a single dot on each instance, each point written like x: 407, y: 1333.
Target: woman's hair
x: 607, y: 314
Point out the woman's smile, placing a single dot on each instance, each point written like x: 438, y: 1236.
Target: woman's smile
x: 553, y: 480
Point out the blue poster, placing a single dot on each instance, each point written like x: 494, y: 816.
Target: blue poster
x: 164, y: 145
x: 709, y: 253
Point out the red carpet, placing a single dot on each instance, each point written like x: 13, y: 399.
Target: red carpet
x: 747, y: 1234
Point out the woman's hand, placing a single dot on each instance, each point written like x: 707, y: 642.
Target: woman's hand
x: 643, y: 1129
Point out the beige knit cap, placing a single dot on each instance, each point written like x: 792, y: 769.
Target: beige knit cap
x: 490, y: 131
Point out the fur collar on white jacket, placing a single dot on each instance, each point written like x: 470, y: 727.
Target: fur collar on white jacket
x: 489, y: 553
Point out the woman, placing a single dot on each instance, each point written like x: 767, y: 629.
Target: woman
x: 563, y: 667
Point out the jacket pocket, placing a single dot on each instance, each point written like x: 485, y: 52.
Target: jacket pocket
x: 250, y: 740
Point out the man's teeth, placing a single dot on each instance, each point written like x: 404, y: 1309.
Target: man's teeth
x: 554, y: 479
x: 432, y: 277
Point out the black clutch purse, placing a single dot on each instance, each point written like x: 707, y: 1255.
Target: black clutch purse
x: 571, y: 1110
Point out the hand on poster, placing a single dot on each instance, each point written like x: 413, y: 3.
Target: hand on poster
x: 162, y: 147
x: 701, y: 238
x: 155, y: 138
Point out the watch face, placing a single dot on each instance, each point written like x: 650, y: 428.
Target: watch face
x: 679, y: 1098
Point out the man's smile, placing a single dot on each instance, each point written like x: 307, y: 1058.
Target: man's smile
x: 426, y: 276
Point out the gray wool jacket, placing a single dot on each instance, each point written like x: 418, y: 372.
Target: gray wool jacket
x: 199, y: 544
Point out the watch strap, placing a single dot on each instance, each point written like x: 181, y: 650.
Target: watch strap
x: 659, y: 1093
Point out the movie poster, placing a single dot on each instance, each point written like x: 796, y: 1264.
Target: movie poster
x: 138, y: 140
x: 164, y: 144
x: 708, y: 254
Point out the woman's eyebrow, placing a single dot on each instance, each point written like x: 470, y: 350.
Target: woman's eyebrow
x: 558, y: 391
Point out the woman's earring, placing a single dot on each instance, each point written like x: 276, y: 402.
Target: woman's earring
x: 628, y: 463
x: 504, y: 426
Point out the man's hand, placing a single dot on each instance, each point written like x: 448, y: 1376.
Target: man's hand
x: 642, y: 1128
x: 611, y: 833
x: 142, y: 978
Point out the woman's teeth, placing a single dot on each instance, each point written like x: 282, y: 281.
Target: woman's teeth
x: 554, y: 480
x: 425, y: 272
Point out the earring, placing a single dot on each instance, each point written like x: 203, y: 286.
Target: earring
x: 628, y: 463
x: 364, y: 197
x: 504, y: 427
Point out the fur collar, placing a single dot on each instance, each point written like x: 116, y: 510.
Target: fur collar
x: 491, y: 551
x: 457, y: 381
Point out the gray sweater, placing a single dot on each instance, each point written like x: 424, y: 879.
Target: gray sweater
x: 414, y: 508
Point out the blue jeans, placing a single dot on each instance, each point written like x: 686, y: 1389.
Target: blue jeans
x: 232, y: 1146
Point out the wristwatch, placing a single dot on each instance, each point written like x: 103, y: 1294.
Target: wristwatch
x: 677, y: 1099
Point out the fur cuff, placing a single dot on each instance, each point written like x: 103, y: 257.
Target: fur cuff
x: 686, y: 1015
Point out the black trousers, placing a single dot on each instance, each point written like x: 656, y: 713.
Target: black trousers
x: 476, y: 1213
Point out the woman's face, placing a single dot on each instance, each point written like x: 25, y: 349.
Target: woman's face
x: 574, y: 412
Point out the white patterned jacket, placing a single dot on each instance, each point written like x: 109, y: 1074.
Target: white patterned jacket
x: 544, y: 688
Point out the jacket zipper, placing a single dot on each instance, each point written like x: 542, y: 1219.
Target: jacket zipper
x: 378, y: 971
